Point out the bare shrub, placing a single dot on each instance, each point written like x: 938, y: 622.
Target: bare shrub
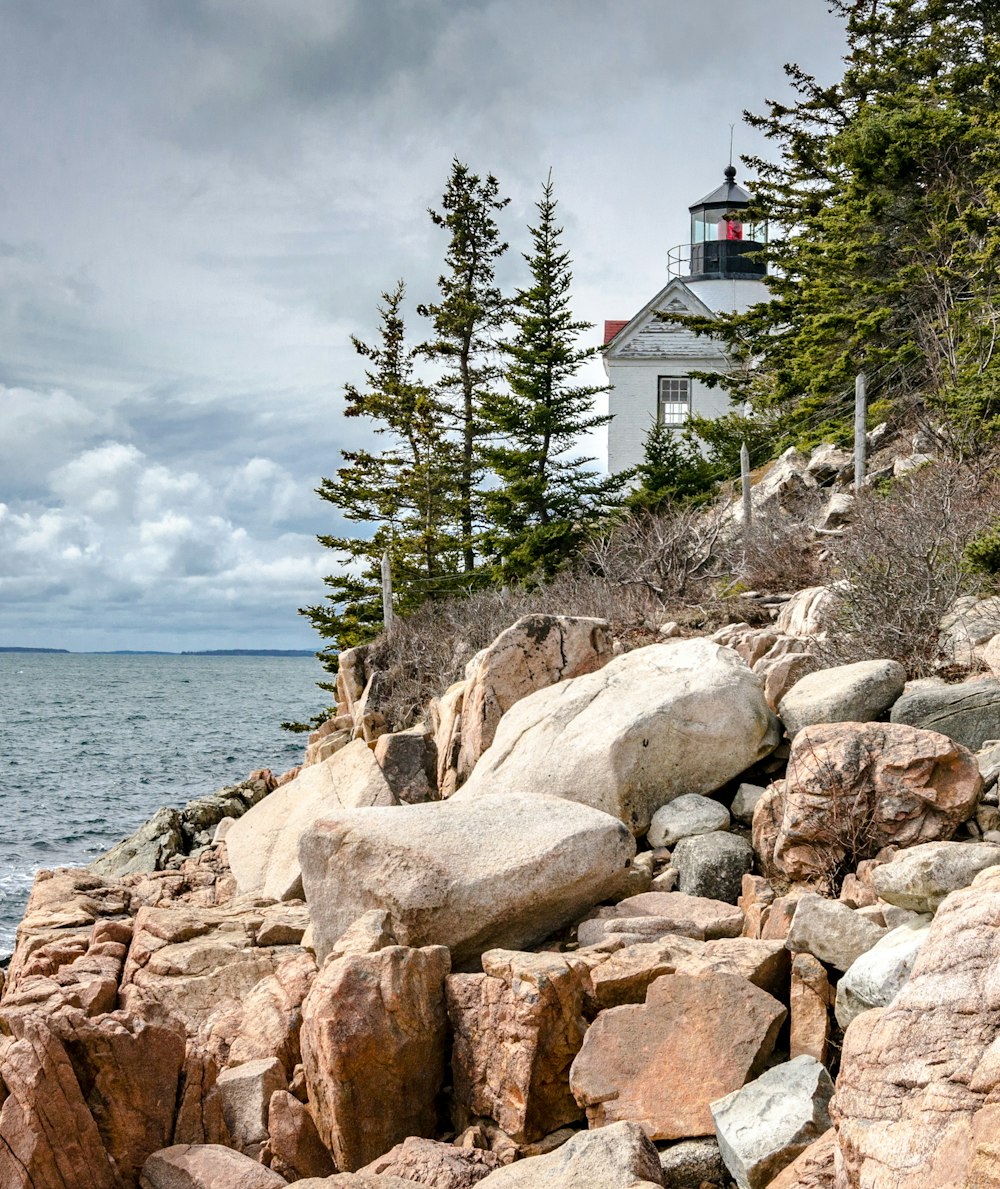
x: 902, y: 562
x: 780, y: 554
x: 670, y: 555
x: 428, y: 650
x: 851, y: 831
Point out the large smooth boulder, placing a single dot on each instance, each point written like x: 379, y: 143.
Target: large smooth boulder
x: 764, y: 1126
x: 852, y: 788
x: 876, y: 977
x: 206, y: 1166
x: 536, y: 652
x: 919, y: 1079
x: 517, y: 1028
x: 661, y: 1063
x: 921, y: 877
x: 969, y: 713
x: 263, y: 844
x: 619, y: 1156
x: 685, y: 716
x: 469, y: 874
x: 374, y: 1031
x: 686, y: 815
x: 861, y: 692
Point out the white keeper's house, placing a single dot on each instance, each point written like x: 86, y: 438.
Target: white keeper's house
x: 650, y: 361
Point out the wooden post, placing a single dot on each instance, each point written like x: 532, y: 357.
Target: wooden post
x: 386, y: 591
x: 860, y: 421
x: 745, y: 483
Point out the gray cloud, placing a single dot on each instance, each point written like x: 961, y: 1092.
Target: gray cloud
x: 202, y: 199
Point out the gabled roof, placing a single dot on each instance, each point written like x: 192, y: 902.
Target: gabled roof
x: 648, y: 337
x: 612, y: 326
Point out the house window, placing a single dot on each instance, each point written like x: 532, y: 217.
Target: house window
x: 674, y: 400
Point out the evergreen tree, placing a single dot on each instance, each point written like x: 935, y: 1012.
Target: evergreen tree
x: 884, y: 200
x: 673, y: 470
x: 547, y: 497
x: 468, y: 321
x: 405, y: 490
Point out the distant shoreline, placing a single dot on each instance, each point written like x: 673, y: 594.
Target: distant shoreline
x: 275, y: 652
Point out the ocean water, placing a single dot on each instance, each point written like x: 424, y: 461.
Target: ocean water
x: 92, y: 745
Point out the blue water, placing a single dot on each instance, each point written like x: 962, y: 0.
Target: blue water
x: 91, y: 746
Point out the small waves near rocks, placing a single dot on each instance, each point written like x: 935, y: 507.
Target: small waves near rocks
x: 92, y: 745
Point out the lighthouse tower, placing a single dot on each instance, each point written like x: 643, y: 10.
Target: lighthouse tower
x: 650, y: 361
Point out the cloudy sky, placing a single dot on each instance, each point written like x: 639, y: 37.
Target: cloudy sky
x: 200, y: 200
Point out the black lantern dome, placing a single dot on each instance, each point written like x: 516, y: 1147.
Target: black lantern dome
x: 721, y: 242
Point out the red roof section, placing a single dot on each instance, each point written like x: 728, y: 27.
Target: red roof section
x: 612, y: 327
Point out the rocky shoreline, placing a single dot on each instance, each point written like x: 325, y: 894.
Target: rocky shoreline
x: 699, y: 914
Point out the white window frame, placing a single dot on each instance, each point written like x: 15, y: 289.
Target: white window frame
x: 673, y: 394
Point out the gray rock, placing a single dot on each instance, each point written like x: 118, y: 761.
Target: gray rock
x: 989, y: 763
x: 685, y: 716
x: 764, y: 1126
x: 684, y: 816
x: 837, y: 512
x: 971, y: 623
x: 875, y: 978
x: 472, y: 875
x: 175, y: 833
x: 969, y: 713
x: 618, y: 1156
x: 911, y: 462
x: 745, y: 801
x: 148, y: 849
x: 827, y: 462
x: 830, y: 931
x: 920, y: 877
x: 692, y: 1162
x: 246, y: 1094
x: 408, y: 760
x: 861, y: 692
x: 810, y: 612
x: 654, y: 914
x: 713, y: 865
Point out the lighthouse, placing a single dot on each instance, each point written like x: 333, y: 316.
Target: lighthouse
x: 651, y: 362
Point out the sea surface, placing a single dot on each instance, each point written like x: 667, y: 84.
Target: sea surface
x: 92, y: 745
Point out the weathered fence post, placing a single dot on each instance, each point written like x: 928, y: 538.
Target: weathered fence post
x: 386, y: 591
x: 745, y: 483
x: 860, y: 420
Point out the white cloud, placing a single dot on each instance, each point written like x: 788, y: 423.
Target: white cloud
x: 161, y: 543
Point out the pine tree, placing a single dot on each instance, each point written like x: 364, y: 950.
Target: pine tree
x: 548, y: 497
x: 468, y: 321
x: 405, y: 490
x: 673, y: 471
x: 884, y: 200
